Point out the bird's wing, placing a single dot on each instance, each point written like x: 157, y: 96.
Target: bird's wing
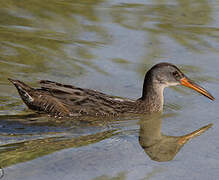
x: 58, y: 88
x: 72, y: 95
x: 83, y: 101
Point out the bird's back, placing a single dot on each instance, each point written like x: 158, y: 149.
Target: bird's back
x: 67, y: 100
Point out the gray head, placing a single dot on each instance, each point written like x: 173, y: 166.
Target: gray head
x: 166, y: 74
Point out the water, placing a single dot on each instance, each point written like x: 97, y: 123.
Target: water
x: 107, y: 46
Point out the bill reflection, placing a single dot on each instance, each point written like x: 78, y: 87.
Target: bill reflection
x: 160, y: 147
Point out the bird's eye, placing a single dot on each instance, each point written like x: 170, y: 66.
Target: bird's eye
x: 176, y: 74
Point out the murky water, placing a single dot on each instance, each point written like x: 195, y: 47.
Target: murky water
x: 108, y: 46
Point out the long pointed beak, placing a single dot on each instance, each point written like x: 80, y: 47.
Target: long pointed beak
x: 188, y: 83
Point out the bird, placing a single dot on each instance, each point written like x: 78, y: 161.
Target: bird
x: 61, y: 100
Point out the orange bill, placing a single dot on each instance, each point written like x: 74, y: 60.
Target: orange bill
x: 188, y: 83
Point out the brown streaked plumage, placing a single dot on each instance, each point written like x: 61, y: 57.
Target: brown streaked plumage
x: 67, y: 100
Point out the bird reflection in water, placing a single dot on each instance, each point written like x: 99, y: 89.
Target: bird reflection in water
x: 160, y: 147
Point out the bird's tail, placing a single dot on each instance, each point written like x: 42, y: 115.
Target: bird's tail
x: 24, y: 90
x: 20, y: 85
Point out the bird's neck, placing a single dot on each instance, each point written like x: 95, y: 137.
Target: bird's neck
x: 152, y: 96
